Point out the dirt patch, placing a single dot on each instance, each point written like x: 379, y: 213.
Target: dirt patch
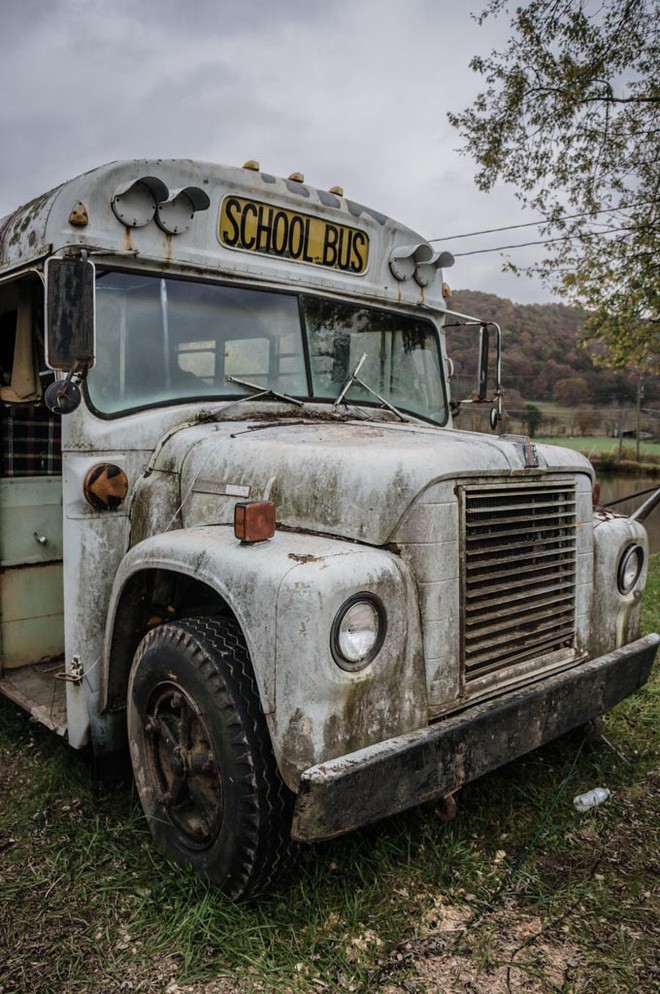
x: 506, y: 953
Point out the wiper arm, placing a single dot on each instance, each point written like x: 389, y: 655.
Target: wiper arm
x: 354, y: 378
x: 350, y: 381
x: 261, y: 392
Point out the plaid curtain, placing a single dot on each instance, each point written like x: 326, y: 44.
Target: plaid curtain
x: 31, y: 441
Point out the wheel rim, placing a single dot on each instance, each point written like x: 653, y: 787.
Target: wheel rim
x: 182, y: 764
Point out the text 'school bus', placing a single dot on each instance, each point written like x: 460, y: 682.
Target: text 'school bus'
x: 241, y: 537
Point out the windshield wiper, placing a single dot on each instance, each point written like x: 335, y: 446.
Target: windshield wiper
x: 354, y: 378
x: 261, y: 392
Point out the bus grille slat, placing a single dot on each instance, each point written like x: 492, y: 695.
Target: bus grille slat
x: 518, y: 576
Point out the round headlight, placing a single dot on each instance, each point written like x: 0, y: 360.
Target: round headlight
x: 358, y: 631
x: 630, y: 568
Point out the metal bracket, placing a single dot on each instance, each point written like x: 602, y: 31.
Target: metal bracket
x: 74, y: 674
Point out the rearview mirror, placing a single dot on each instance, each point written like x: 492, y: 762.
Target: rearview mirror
x: 70, y: 325
x: 484, y: 342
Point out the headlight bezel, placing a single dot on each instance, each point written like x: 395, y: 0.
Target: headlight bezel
x: 360, y: 663
x: 631, y: 551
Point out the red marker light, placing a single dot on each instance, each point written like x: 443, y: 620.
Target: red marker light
x: 254, y: 521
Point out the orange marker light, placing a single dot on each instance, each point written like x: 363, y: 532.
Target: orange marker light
x: 105, y: 486
x: 254, y: 521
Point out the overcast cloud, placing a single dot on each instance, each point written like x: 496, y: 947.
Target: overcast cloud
x: 349, y: 92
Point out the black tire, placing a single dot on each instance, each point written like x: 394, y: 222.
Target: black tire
x: 202, y: 758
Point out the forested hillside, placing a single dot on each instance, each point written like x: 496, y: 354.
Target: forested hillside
x: 542, y: 357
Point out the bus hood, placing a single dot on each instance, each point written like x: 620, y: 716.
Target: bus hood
x: 352, y: 479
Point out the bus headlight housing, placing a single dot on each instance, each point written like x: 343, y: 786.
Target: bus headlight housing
x: 630, y: 568
x: 358, y: 631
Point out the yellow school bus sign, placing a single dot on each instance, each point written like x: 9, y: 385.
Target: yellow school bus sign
x: 269, y: 230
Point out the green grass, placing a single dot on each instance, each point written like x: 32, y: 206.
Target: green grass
x: 604, y: 446
x: 89, y: 906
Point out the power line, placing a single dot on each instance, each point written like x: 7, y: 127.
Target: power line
x: 536, y: 224
x: 543, y: 241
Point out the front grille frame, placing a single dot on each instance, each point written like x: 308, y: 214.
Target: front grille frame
x: 518, y: 616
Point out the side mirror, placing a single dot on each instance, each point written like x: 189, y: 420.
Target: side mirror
x: 70, y: 321
x: 63, y: 396
x: 484, y: 342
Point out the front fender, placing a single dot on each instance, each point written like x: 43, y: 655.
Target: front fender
x: 284, y: 594
x: 616, y: 617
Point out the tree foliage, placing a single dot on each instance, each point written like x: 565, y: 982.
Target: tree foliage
x: 533, y: 418
x: 570, y: 115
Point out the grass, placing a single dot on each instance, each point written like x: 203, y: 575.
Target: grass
x: 486, y: 904
x: 605, y: 456
x: 605, y: 446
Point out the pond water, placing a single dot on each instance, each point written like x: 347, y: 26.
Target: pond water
x: 614, y: 487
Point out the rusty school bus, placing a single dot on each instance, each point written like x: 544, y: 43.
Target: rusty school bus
x: 241, y: 538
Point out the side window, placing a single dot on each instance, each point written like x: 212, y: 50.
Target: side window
x: 8, y: 318
x: 30, y: 435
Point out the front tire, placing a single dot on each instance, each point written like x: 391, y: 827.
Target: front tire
x: 202, y: 757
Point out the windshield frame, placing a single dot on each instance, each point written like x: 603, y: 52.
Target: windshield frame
x: 298, y: 295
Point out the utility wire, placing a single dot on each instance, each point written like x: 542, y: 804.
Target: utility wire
x: 537, y: 224
x: 543, y: 241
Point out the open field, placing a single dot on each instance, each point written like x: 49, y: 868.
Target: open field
x: 605, y: 446
x: 519, y: 893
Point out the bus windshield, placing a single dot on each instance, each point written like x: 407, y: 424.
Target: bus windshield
x: 169, y: 340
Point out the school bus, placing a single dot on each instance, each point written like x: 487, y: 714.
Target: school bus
x: 242, y: 539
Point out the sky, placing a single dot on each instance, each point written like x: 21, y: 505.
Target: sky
x: 352, y: 93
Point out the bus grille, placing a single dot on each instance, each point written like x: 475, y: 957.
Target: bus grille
x: 519, y: 574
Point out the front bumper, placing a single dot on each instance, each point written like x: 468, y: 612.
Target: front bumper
x: 365, y: 786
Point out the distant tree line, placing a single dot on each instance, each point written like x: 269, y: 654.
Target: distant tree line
x: 543, y: 359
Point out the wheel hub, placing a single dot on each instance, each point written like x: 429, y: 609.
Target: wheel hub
x: 183, y: 766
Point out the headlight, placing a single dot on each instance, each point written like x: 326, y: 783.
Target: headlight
x: 630, y: 568
x: 358, y: 631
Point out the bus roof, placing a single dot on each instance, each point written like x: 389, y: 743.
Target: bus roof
x: 183, y: 216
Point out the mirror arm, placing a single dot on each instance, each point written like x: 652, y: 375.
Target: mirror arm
x: 497, y: 411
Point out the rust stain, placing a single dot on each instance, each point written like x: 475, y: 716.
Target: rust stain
x: 303, y: 558
x: 459, y: 768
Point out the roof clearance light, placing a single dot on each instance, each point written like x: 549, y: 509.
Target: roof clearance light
x: 297, y: 177
x: 252, y: 164
x: 134, y: 203
x: 79, y: 217
x: 254, y: 520
x: 337, y: 190
x: 175, y: 214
